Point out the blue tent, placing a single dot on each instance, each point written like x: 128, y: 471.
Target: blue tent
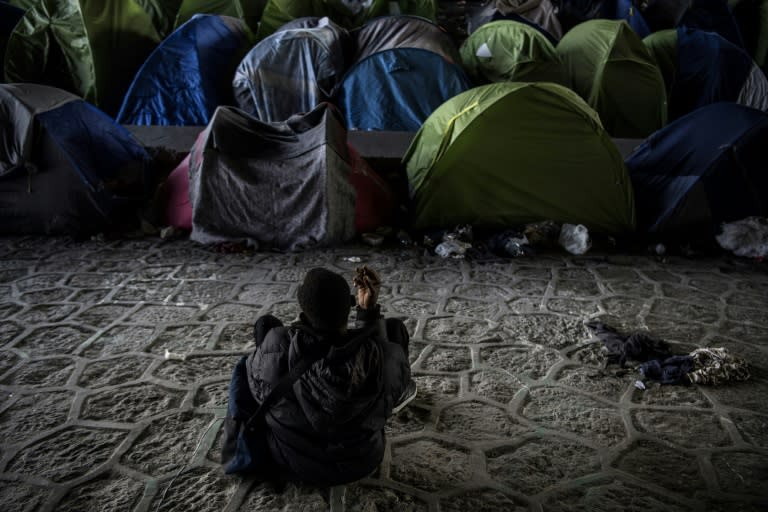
x: 712, y: 69
x: 627, y: 11
x: 398, y: 89
x: 572, y: 12
x: 65, y: 166
x: 713, y: 16
x: 703, y: 169
x: 9, y: 17
x: 188, y: 75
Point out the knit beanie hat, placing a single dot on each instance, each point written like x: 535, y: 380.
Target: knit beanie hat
x: 325, y: 299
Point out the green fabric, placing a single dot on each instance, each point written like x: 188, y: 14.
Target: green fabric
x: 248, y: 10
x: 663, y: 48
x: 511, y: 153
x: 518, y: 53
x: 162, y: 12
x: 189, y: 8
x: 279, y: 12
x: 608, y: 65
x: 424, y: 8
x: 89, y: 47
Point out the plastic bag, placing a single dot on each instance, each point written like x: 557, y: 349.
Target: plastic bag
x: 574, y: 238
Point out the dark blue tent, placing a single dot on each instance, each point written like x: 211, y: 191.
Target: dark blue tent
x: 713, y: 16
x: 663, y: 14
x: 9, y: 17
x: 627, y: 11
x: 398, y: 89
x: 711, y: 69
x: 65, y: 166
x: 188, y: 75
x: 703, y: 169
x: 572, y: 12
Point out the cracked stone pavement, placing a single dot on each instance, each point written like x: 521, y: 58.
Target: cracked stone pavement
x: 513, y: 411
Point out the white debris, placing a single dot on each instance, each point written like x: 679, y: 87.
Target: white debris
x: 574, y: 238
x: 747, y: 237
x: 174, y: 356
x: 453, y: 248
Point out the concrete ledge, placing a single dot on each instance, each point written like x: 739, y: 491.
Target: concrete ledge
x: 382, y: 148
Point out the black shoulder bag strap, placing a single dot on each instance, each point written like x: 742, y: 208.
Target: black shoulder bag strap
x: 289, y: 380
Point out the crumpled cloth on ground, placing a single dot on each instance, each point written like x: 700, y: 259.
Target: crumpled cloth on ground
x: 672, y: 370
x: 638, y: 346
x: 710, y: 366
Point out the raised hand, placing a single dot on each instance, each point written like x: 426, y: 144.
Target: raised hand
x: 367, y: 283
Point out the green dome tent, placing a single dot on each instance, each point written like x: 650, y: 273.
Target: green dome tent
x: 511, y: 153
x: 510, y: 51
x: 91, y: 48
x: 609, y: 66
x: 247, y: 10
x: 663, y: 48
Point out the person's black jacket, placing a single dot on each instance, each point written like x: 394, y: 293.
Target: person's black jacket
x: 330, y: 428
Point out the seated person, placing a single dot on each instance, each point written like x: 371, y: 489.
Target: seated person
x: 328, y: 429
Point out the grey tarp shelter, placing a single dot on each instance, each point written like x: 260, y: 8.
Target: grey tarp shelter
x: 282, y: 185
x: 387, y: 32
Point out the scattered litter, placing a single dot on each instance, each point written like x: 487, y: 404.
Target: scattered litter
x: 372, y: 239
x: 462, y: 233
x: 515, y: 246
x: 174, y: 356
x: 404, y: 238
x: 452, y: 248
x: 429, y: 242
x: 511, y: 242
x: 543, y: 234
x: 575, y: 238
x: 640, y: 385
x: 352, y: 259
x: 170, y: 233
x: 747, y: 237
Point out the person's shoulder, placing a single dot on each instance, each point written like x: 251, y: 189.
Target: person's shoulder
x: 276, y: 339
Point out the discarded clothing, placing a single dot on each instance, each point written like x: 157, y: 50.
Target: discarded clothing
x: 712, y: 366
x: 716, y: 366
x: 672, y: 370
x: 638, y: 346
